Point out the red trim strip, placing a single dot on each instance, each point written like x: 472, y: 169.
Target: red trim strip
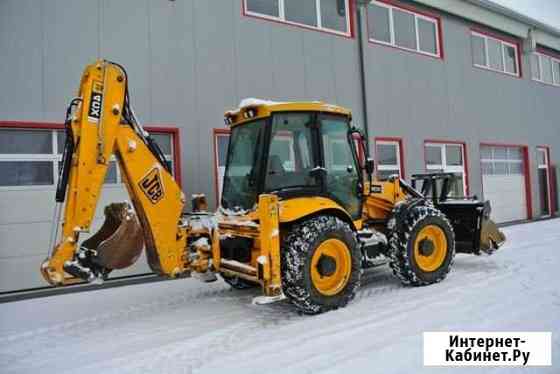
x: 465, y: 158
x: 397, y: 140
x: 353, y: 15
x: 167, y: 129
x: 506, y: 39
x: 348, y: 35
x: 411, y: 9
x: 526, y: 172
x: 32, y: 125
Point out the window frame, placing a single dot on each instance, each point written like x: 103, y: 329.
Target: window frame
x: 216, y: 133
x: 54, y: 128
x: 435, y: 19
x: 52, y: 157
x: 503, y: 43
x: 505, y: 160
x: 282, y: 19
x: 442, y: 144
x: 548, y: 167
x: 539, y: 53
x: 400, y: 154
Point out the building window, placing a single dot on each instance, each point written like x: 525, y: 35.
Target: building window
x: 327, y: 15
x: 402, y: 28
x: 221, y: 142
x: 494, y: 54
x: 389, y: 158
x: 501, y: 160
x: 448, y: 158
x: 165, y: 143
x: 26, y: 158
x: 544, y: 180
x: 545, y: 69
x: 33, y: 157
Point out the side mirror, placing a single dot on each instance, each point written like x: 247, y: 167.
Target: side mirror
x: 370, y: 166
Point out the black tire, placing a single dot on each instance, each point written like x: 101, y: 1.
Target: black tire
x: 403, y: 237
x: 298, y: 247
x: 238, y: 283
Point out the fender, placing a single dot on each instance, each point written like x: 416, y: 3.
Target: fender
x: 293, y: 209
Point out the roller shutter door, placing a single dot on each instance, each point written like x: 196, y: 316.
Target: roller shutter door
x: 503, y: 182
x: 29, y: 161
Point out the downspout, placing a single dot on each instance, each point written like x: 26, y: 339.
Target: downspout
x: 360, y: 5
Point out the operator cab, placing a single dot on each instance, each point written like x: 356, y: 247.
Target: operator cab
x: 309, y: 152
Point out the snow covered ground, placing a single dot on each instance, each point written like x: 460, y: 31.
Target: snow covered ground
x: 185, y: 326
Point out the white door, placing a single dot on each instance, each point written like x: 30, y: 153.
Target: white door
x: 503, y: 182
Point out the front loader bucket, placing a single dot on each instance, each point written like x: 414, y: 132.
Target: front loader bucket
x: 491, y: 238
x: 119, y: 242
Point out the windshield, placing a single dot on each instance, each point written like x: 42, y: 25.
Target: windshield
x: 240, y: 179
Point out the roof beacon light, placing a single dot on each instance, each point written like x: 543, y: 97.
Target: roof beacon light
x: 249, y: 113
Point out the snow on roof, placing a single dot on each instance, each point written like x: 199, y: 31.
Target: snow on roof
x: 252, y: 101
x: 255, y: 102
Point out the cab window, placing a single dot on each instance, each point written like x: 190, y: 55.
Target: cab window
x: 290, y: 157
x: 341, y: 177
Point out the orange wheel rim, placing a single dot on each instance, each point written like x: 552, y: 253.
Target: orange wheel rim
x: 430, y: 248
x: 331, y: 266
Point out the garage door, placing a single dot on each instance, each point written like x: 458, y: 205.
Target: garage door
x: 29, y: 161
x: 503, y: 182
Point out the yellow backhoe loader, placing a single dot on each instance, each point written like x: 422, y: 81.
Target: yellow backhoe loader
x: 301, y: 214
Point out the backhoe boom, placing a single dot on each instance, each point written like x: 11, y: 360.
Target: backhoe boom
x: 101, y: 125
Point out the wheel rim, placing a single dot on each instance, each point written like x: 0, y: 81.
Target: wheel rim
x: 430, y: 248
x: 331, y: 266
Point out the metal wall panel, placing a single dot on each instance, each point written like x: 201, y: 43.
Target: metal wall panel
x: 21, y: 67
x: 189, y: 60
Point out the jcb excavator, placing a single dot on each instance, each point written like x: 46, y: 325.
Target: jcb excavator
x: 301, y: 212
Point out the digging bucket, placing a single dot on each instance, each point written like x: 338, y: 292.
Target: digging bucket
x: 119, y: 241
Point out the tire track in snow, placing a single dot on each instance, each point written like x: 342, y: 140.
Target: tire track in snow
x: 376, y: 284
x: 245, y: 333
x: 229, y: 326
x: 129, y: 311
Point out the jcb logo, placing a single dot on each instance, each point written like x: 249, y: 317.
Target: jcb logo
x: 152, y: 185
x: 95, y: 102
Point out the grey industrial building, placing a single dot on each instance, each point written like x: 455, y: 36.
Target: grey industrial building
x: 455, y: 85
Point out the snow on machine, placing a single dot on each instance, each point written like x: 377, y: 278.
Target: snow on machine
x: 301, y: 213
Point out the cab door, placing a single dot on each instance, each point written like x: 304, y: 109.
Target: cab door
x: 341, y: 177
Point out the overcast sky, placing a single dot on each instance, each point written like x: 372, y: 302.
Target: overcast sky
x: 546, y: 11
